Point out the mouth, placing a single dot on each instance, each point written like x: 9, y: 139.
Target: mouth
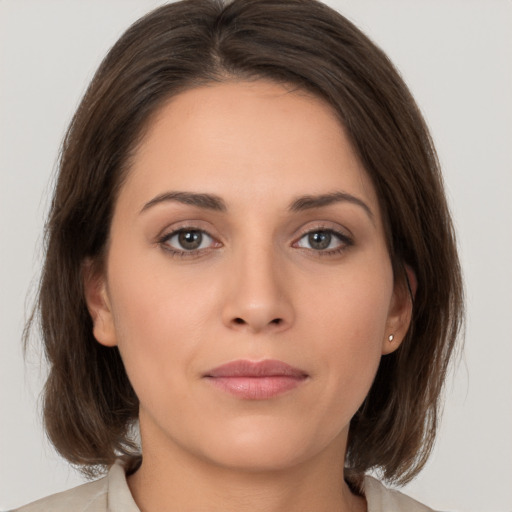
x: 259, y: 380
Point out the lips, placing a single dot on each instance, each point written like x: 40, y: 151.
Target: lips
x: 260, y: 380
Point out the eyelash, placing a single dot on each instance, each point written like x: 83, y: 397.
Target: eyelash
x: 175, y: 253
x: 344, y: 240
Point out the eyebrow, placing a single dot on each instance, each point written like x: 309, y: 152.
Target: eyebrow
x: 309, y: 202
x: 216, y: 203
x: 206, y: 201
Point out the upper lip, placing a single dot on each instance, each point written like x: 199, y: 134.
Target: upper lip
x: 266, y: 368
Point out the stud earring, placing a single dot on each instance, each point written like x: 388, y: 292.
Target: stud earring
x: 391, y: 337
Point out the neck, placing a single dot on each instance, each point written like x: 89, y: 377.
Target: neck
x: 174, y: 480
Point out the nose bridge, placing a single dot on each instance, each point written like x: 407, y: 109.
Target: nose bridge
x: 257, y: 296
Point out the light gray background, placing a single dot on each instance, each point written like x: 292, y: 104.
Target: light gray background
x: 455, y: 55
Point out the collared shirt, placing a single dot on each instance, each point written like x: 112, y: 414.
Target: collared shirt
x: 112, y: 494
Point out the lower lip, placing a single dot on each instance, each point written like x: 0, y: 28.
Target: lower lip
x: 256, y: 388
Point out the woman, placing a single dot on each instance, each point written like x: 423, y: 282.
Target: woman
x: 250, y: 257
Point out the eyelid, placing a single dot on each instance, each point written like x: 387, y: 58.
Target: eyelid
x: 196, y: 224
x: 333, y: 227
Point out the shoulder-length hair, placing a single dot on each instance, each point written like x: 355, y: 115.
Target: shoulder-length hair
x: 89, y: 404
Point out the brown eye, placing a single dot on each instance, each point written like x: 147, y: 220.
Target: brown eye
x: 186, y: 240
x: 190, y: 240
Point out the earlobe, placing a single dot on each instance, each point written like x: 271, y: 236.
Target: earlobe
x: 400, y: 313
x: 98, y: 304
x: 391, y: 343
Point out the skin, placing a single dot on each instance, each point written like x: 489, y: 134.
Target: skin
x: 256, y: 289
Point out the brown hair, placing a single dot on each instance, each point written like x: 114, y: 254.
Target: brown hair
x: 89, y: 404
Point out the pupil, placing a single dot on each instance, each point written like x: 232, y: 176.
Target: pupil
x: 190, y: 239
x: 320, y: 240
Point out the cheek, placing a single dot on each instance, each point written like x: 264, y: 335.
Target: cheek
x: 159, y: 321
x: 352, y: 305
x: 347, y: 326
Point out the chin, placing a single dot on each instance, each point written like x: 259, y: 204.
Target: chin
x: 265, y: 446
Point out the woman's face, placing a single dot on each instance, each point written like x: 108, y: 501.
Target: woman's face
x: 248, y: 285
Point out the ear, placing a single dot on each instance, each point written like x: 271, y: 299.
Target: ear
x: 98, y: 304
x: 400, y: 312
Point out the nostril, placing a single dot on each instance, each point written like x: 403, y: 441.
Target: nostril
x: 241, y: 321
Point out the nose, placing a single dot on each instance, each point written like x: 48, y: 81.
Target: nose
x: 257, y: 293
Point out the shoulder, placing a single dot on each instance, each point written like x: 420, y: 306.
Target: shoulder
x: 382, y: 499
x: 110, y: 493
x: 90, y: 497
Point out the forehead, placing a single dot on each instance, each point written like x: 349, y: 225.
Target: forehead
x: 249, y: 141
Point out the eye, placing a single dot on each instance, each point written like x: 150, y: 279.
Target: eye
x: 324, y: 240
x: 187, y: 240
